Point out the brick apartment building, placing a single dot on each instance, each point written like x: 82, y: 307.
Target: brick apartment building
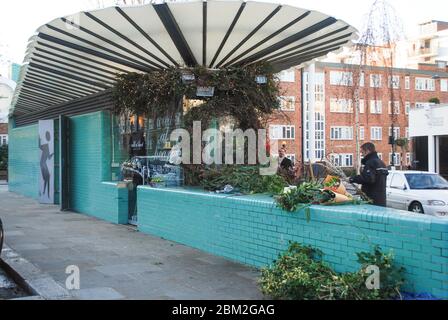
x: 385, y: 99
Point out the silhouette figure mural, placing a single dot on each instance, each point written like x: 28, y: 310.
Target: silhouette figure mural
x: 46, y: 147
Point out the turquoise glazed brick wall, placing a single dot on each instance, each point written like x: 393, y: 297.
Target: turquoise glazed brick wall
x: 90, y: 166
x: 23, y: 164
x: 252, y: 230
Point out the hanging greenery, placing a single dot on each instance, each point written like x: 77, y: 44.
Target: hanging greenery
x: 237, y: 94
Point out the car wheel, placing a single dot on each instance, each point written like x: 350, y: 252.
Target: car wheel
x: 416, y: 207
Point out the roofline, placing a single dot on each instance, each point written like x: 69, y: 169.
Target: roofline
x: 376, y: 68
x: 433, y: 21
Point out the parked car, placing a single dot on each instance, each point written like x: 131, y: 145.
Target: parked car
x: 417, y: 191
x: 1, y: 236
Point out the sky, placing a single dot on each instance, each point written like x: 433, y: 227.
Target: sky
x: 20, y: 18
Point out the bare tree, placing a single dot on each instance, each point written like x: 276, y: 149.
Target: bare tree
x: 377, y: 46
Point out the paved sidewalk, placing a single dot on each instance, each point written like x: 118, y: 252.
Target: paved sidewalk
x: 117, y: 262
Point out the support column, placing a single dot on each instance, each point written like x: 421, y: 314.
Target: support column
x: 312, y: 111
x: 437, y: 154
x: 431, y: 154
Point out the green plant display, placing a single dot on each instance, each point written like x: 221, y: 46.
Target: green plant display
x: 334, y: 182
x: 244, y: 178
x: 301, y: 196
x: 301, y: 274
x: 236, y: 94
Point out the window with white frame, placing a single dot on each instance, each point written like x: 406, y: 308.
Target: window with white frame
x: 394, y: 82
x: 396, y: 157
x: 362, y: 106
x: 444, y: 85
x: 407, y: 82
x: 342, y: 160
x: 380, y: 155
x: 287, y: 103
x: 408, y: 159
x: 340, y: 78
x: 3, y: 140
x: 425, y: 84
x: 376, y: 106
x: 341, y: 133
x: 396, y: 107
x: 319, y: 117
x: 362, y: 77
x: 362, y: 133
x: 341, y: 105
x: 406, y: 135
x: 375, y: 81
x: 376, y: 133
x: 287, y: 75
x: 396, y: 132
x: 277, y: 132
x: 407, y: 107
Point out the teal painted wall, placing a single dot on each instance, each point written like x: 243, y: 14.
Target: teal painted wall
x: 252, y: 230
x: 23, y: 165
x: 90, y: 166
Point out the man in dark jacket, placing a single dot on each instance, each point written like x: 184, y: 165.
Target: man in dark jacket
x: 373, y: 176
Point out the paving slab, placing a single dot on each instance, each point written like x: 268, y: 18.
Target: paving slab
x: 115, y: 262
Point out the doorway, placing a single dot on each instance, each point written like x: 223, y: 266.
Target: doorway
x: 443, y: 156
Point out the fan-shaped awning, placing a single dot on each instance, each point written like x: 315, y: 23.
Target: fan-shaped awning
x: 79, y: 55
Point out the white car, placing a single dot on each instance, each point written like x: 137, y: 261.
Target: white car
x: 420, y: 192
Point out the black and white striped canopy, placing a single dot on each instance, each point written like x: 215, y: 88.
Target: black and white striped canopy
x: 79, y: 55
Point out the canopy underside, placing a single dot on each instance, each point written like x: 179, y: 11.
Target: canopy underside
x: 79, y: 55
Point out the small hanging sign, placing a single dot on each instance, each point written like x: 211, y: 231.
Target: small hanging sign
x: 205, y: 91
x: 261, y: 79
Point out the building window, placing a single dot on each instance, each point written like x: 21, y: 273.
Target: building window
x: 408, y: 159
x: 396, y: 160
x: 407, y: 82
x: 407, y: 107
x: 406, y: 133
x: 341, y: 105
x: 444, y: 85
x: 339, y: 78
x: 319, y: 117
x: 362, y: 79
x: 287, y: 103
x: 425, y: 84
x: 396, y: 107
x: 396, y: 132
x: 287, y: 76
x: 341, y: 133
x: 394, y: 82
x: 3, y: 140
x: 291, y: 157
x: 376, y: 133
x: 278, y: 132
x: 380, y: 155
x: 375, y: 81
x: 362, y: 133
x: 342, y: 160
x: 362, y: 107
x: 376, y: 107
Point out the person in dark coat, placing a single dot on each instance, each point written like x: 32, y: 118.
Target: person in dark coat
x: 283, y: 162
x: 373, y: 176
